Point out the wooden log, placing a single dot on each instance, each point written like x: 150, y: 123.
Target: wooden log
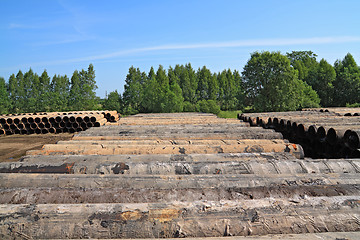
x: 177, y: 219
x: 150, y: 195
x: 174, y: 142
x: 221, y: 157
x: 181, y: 166
x: 70, y: 149
x: 18, y: 180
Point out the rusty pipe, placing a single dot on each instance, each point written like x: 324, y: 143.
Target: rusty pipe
x: 79, y: 119
x: 352, y: 139
x: 44, y: 119
x: 16, y: 121
x: 9, y: 121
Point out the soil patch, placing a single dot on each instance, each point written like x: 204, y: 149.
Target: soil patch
x: 13, y: 147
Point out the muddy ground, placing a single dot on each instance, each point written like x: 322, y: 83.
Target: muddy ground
x: 13, y: 147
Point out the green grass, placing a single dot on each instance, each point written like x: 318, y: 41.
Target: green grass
x: 228, y: 114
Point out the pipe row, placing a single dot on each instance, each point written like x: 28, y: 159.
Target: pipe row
x: 339, y: 111
x: 55, y: 122
x: 321, y: 137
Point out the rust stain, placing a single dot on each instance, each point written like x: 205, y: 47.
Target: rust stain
x: 69, y: 167
x: 164, y: 215
x: 131, y: 215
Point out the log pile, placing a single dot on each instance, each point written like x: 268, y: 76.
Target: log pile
x: 191, y: 175
x: 322, y: 134
x: 341, y: 111
x: 54, y: 122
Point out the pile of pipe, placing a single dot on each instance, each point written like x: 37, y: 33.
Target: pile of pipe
x: 325, y: 134
x: 178, y: 175
x: 54, y: 122
x: 341, y: 111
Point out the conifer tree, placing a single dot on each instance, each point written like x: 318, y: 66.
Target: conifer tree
x: 133, y: 90
x: 347, y: 82
x: 113, y: 101
x: 321, y: 80
x: 88, y: 87
x: 4, y: 97
x: 20, y: 92
x: 59, y: 93
x: 44, y: 92
x: 75, y: 95
x: 13, y: 93
x: 193, y: 84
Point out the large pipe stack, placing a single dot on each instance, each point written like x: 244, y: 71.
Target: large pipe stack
x: 323, y: 134
x: 341, y: 111
x: 180, y: 175
x: 55, y: 122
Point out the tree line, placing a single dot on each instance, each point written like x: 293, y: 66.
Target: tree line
x: 178, y: 89
x: 28, y: 92
x: 270, y: 81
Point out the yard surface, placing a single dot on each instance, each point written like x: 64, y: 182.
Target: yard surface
x: 13, y: 147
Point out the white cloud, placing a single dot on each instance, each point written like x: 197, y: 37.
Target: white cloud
x: 231, y: 44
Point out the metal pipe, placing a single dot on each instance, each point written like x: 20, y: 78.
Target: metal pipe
x: 44, y: 131
x: 30, y: 120
x: 45, y: 120
x: 352, y: 140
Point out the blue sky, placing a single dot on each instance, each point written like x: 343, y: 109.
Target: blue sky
x: 63, y: 36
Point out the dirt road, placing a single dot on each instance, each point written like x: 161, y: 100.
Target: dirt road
x: 13, y: 147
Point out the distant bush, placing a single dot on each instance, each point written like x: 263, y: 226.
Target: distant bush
x: 189, y: 107
x: 354, y: 105
x: 208, y: 106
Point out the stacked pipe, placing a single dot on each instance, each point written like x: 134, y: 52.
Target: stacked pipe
x: 54, y: 122
x: 323, y: 134
x: 341, y: 111
x: 176, y: 180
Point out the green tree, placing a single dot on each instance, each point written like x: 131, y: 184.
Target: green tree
x: 163, y: 89
x: 59, y: 93
x: 82, y: 91
x: 306, y: 96
x: 303, y: 61
x: 322, y: 79
x: 13, y: 93
x: 347, y: 82
x: 174, y: 95
x: 228, y: 90
x: 151, y: 98
x: 4, y: 97
x: 113, y: 101
x: 133, y: 90
x: 207, y: 106
x: 44, y: 92
x: 207, y: 87
x: 270, y: 82
x: 75, y: 94
x: 88, y: 87
x: 31, y: 92
x: 193, y: 80
x: 239, y: 94
x: 19, y: 104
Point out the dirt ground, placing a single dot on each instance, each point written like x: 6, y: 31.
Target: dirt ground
x: 13, y: 147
